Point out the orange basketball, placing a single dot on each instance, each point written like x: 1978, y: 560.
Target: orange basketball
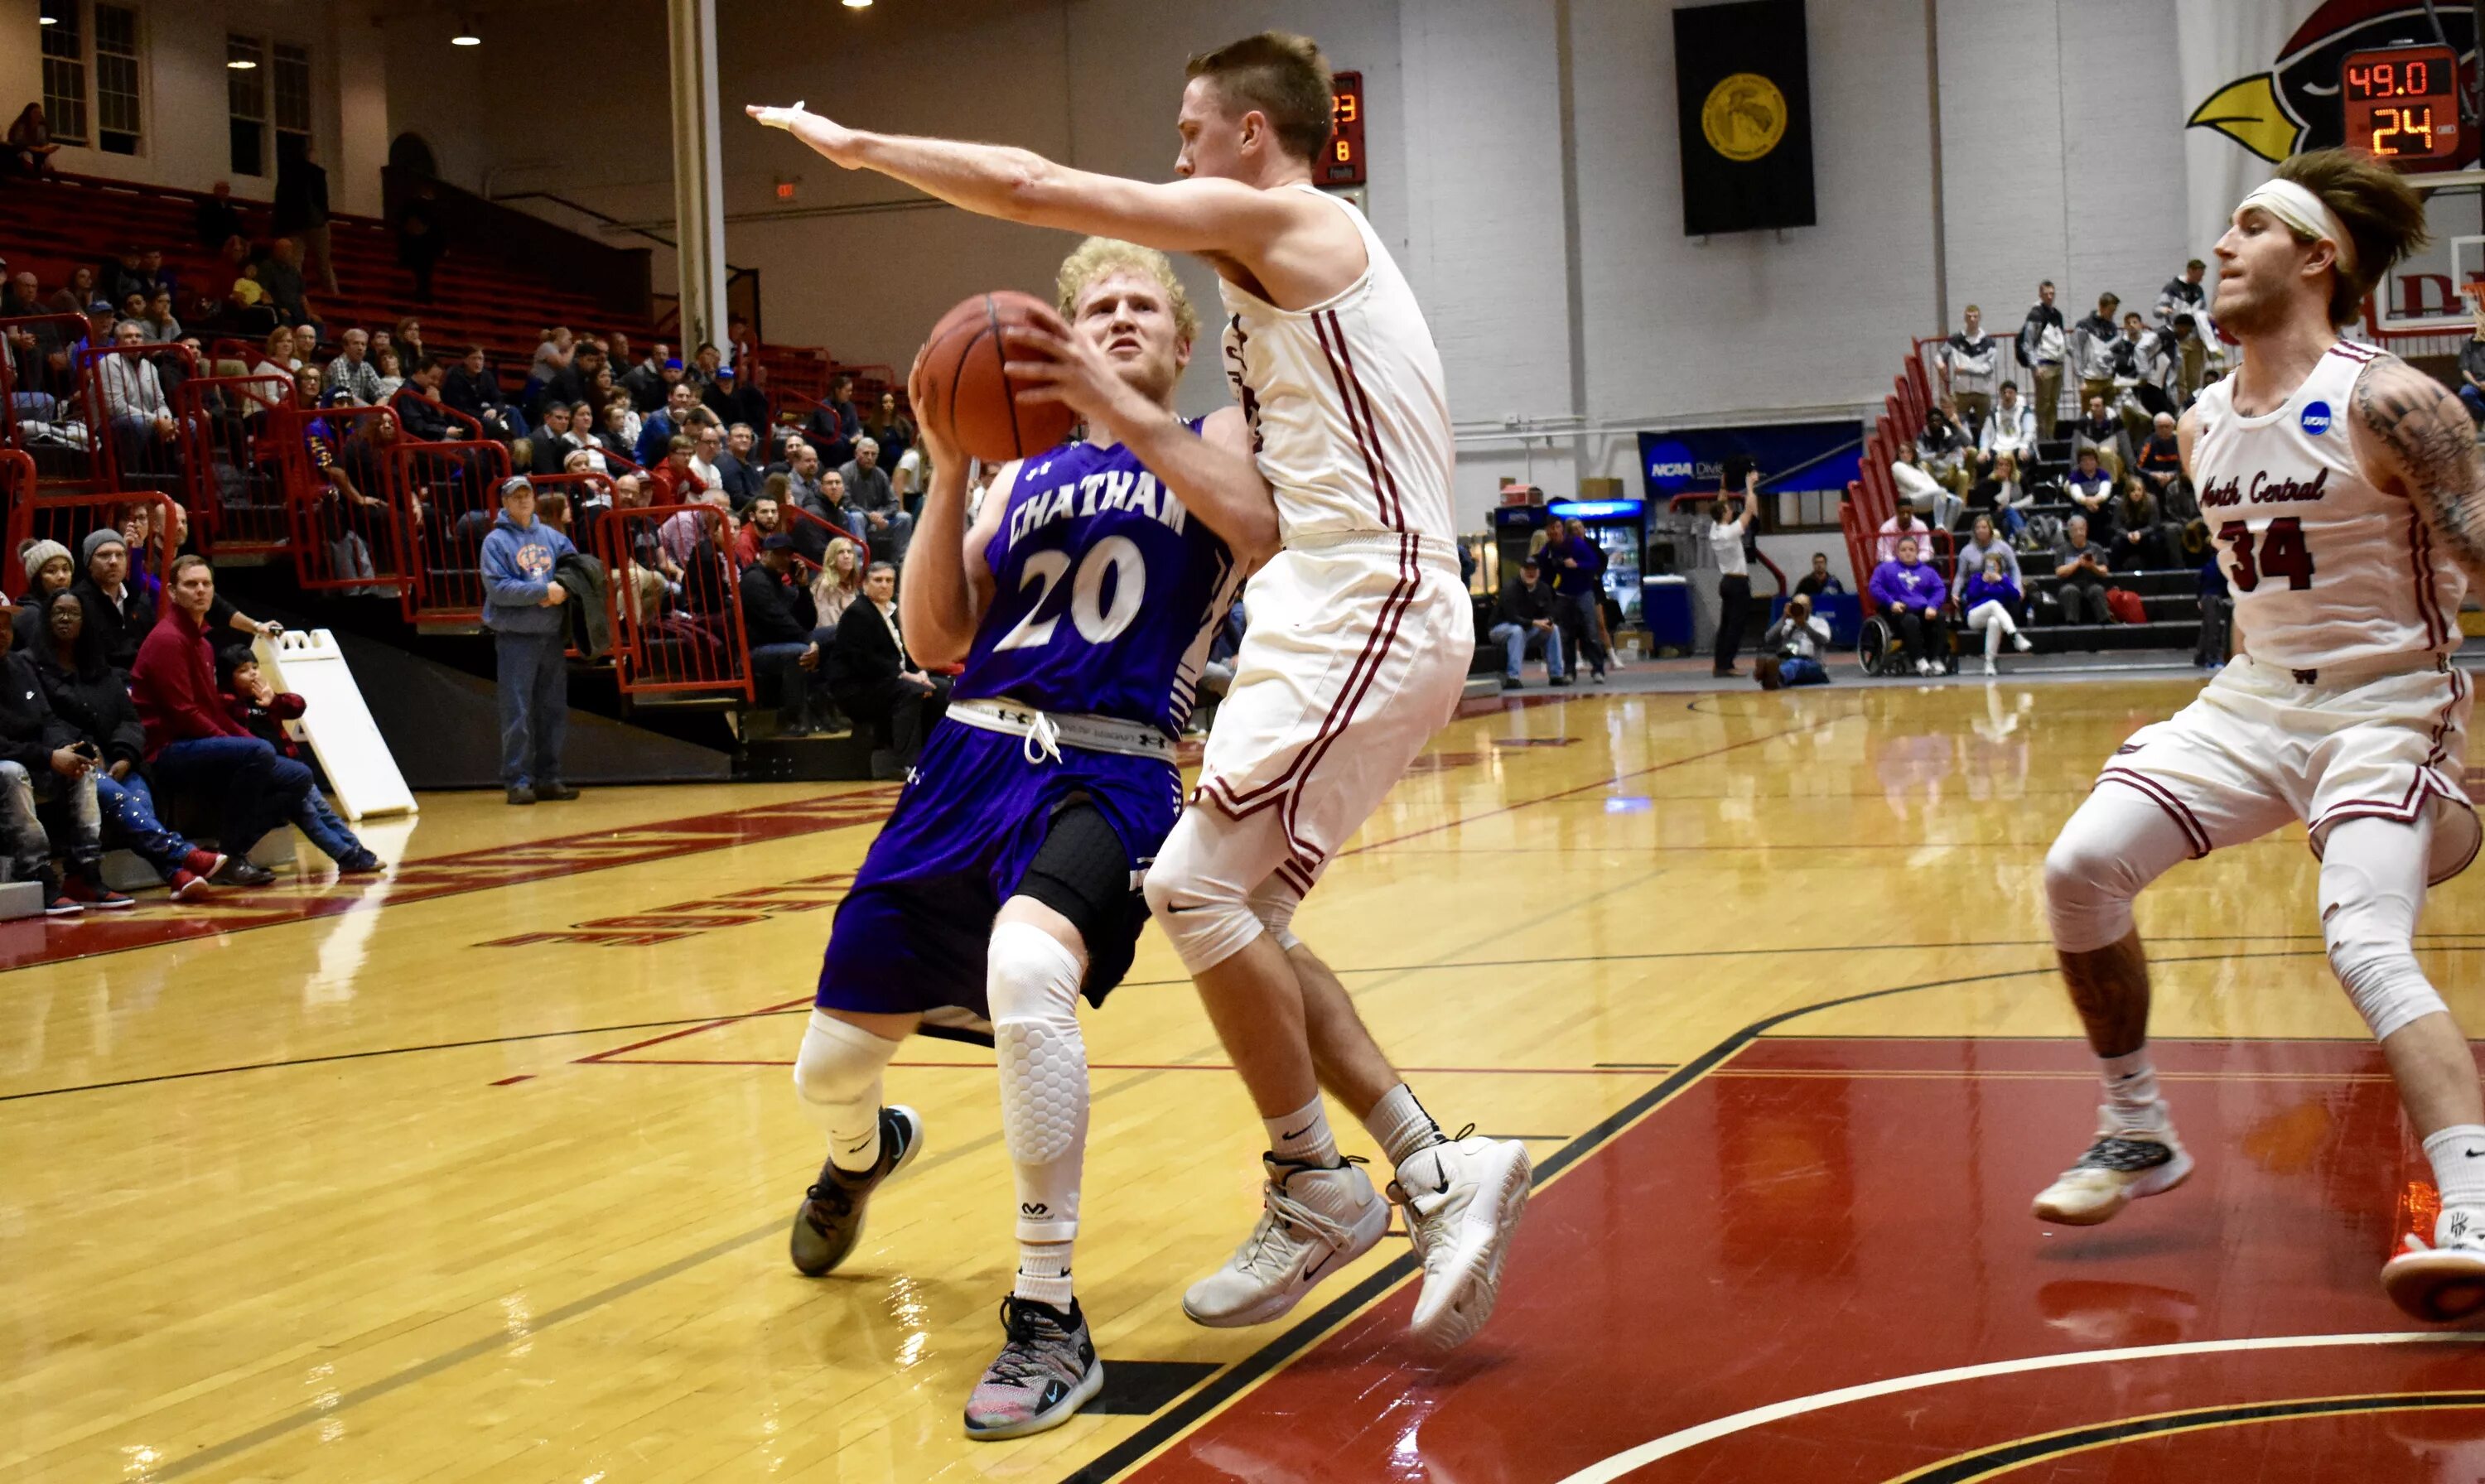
x: 968, y: 396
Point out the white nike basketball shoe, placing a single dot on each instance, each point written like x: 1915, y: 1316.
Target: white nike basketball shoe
x: 1312, y: 1222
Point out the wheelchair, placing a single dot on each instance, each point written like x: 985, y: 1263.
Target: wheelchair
x: 1880, y: 651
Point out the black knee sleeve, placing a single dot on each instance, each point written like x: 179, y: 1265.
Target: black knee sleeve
x: 1083, y: 871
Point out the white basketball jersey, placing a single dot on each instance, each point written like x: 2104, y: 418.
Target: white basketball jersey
x: 2326, y: 570
x: 1349, y: 421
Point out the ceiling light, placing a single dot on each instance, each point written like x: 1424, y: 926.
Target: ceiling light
x: 465, y: 36
x: 857, y: 5
x: 240, y: 65
x: 51, y: 21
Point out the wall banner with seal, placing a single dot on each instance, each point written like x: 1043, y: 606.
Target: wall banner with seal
x: 1743, y: 83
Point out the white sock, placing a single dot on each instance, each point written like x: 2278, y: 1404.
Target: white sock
x: 2459, y: 1178
x: 1400, y: 1126
x: 1044, y: 1273
x: 836, y: 1074
x: 2131, y: 1089
x: 1303, y: 1135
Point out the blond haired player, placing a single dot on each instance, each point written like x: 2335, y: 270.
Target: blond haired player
x: 2341, y: 486
x: 1357, y: 649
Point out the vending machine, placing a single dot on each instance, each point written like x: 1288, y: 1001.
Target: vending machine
x: 1616, y: 523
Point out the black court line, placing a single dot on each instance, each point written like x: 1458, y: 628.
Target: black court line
x: 1984, y: 1463
x: 1200, y: 1404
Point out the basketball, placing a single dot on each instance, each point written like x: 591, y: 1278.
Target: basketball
x: 967, y: 391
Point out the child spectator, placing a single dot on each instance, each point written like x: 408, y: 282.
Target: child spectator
x: 262, y: 711
x: 1991, y: 603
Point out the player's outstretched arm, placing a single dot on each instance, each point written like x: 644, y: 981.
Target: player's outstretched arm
x: 948, y: 585
x: 1019, y: 186
x: 2416, y: 435
x: 1213, y: 474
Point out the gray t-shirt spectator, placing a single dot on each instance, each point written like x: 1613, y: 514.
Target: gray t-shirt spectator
x: 868, y: 490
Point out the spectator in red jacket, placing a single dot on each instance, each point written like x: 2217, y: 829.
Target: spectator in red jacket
x: 193, y: 743
x: 262, y: 710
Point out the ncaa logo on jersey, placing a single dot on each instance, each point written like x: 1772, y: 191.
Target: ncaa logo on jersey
x: 2316, y: 418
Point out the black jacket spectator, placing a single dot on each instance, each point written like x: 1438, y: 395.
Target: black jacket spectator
x: 1523, y: 604
x: 94, y: 701
x: 833, y: 430
x: 776, y: 611
x: 550, y: 450
x: 475, y: 394
x: 123, y: 626
x: 219, y: 221
x: 741, y: 482
x: 735, y: 402
x: 301, y: 195
x: 30, y: 731
x: 424, y: 420
x: 865, y: 661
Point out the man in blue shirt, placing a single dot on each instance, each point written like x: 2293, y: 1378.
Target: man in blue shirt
x: 522, y: 607
x: 1578, y: 568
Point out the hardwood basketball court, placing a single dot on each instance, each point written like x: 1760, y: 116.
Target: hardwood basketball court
x: 484, y: 1172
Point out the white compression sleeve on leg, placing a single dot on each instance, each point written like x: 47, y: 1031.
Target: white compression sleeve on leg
x: 1032, y: 985
x: 2372, y: 887
x: 836, y: 1074
x: 2118, y: 842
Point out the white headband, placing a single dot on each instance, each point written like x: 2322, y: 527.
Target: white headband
x: 2305, y: 213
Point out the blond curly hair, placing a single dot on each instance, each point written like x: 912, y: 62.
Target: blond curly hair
x: 1097, y: 256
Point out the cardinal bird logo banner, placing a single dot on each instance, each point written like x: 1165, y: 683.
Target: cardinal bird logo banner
x: 2260, y: 82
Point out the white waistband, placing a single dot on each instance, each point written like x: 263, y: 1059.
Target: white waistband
x: 2357, y: 673
x: 1047, y: 733
x: 1430, y: 551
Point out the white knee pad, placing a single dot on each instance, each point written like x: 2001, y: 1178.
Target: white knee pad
x: 2367, y: 922
x: 839, y: 1065
x: 1206, y: 917
x: 2115, y: 844
x: 1032, y: 983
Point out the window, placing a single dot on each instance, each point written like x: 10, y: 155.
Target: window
x: 115, y: 79
x: 246, y: 99
x: 292, y: 100
x: 64, y: 72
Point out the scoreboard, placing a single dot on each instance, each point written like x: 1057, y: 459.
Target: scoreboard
x: 2401, y: 105
x: 1343, y: 164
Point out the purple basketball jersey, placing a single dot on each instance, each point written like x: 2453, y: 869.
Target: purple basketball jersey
x: 1107, y: 592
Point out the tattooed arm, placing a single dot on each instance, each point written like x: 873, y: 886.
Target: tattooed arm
x: 2412, y: 434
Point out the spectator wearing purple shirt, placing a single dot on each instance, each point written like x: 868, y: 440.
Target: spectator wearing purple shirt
x: 1913, y: 594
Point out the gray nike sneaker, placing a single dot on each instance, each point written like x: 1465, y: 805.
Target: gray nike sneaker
x: 831, y: 1220
x: 1047, y: 1370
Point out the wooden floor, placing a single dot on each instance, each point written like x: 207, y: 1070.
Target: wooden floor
x: 484, y: 1173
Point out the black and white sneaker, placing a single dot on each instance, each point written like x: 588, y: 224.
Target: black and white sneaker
x: 830, y: 1219
x: 1047, y: 1370
x: 2122, y: 1166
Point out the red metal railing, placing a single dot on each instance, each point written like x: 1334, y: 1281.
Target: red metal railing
x: 130, y: 423
x: 43, y: 347
x: 67, y: 518
x: 345, y: 534
x: 232, y: 470
x: 676, y: 613
x: 444, y: 495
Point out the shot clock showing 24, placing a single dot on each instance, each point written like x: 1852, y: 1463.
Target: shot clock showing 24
x: 2402, y: 105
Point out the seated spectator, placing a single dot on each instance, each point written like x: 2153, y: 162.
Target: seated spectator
x: 392, y: 372
x: 1982, y: 544
x: 351, y: 376
x: 120, y: 610
x: 553, y: 349
x: 821, y: 495
x: 787, y: 640
x: 730, y: 400
x: 1991, y: 602
x: 2101, y: 432
x: 873, y: 680
x: 48, y: 569
x: 2000, y: 494
x: 571, y: 383
x: 650, y: 381
x: 473, y: 388
x: 1901, y: 526
x: 71, y: 298
x: 705, y: 362
x: 1820, y: 579
x: 30, y: 142
x: 141, y: 422
x: 156, y: 324
x: 262, y: 709
x: 93, y: 698
x: 550, y: 443
x: 2471, y: 364
x: 2161, y: 469
x: 2090, y: 490
x: 2011, y: 430
x: 1790, y: 650
x: 417, y: 405
x: 280, y: 274
x: 2082, y: 565
x: 276, y: 357
x: 408, y: 339
x: 1911, y: 595
x: 219, y: 221
x: 762, y: 520
x: 1525, y: 619
x: 839, y: 582
x: 834, y: 426
x: 42, y: 762
x: 672, y: 482
x: 2138, y: 545
x: 1941, y: 453
x: 868, y: 490
x: 192, y: 744
x: 657, y: 431
x: 708, y: 445
x: 737, y: 473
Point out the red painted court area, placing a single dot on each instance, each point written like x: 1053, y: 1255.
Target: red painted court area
x: 1818, y: 1215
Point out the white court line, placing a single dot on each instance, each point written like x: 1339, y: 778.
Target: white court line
x: 1671, y: 1444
